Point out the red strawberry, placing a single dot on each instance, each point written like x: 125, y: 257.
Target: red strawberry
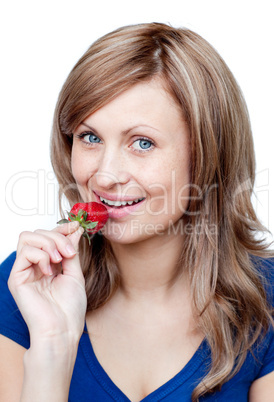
x: 92, y: 216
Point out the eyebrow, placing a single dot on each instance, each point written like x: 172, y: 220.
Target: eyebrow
x: 124, y: 132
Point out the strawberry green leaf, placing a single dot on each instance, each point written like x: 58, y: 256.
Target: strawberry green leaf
x: 80, y: 213
x: 91, y: 225
x: 63, y: 221
x: 71, y: 215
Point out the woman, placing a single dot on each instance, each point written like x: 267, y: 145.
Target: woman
x: 174, y: 295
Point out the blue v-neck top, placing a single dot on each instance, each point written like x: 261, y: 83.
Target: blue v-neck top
x: 91, y: 383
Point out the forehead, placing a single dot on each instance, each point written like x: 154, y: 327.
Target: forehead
x: 146, y: 102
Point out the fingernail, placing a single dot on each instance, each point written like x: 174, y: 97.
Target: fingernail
x: 57, y: 255
x: 70, y: 250
x: 50, y: 272
x: 72, y: 226
x: 74, y: 223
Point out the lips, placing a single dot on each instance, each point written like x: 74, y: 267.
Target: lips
x: 118, y: 208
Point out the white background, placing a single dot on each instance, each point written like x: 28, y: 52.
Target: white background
x: 40, y: 43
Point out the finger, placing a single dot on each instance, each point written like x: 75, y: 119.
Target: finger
x: 72, y: 265
x: 53, y: 242
x: 67, y: 228
x: 28, y: 257
x: 75, y: 238
x: 40, y: 241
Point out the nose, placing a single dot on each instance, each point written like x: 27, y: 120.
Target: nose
x: 112, y: 169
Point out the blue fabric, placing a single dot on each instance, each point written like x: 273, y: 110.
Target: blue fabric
x: 91, y: 383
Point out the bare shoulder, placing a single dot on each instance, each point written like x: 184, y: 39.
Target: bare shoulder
x: 11, y: 369
x: 262, y: 390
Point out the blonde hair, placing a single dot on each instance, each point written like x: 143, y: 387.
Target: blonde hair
x: 227, y: 289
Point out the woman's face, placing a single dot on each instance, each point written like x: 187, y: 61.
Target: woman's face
x: 133, y: 155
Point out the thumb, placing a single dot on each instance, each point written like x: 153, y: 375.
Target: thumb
x: 71, y: 266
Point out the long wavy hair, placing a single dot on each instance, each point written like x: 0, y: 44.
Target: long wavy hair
x: 226, y: 284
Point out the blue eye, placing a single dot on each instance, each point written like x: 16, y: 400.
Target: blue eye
x: 143, y: 144
x: 91, y: 138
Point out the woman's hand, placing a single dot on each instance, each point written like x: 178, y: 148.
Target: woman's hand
x: 47, y: 282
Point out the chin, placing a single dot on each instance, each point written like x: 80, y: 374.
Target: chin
x: 120, y: 235
x: 131, y: 232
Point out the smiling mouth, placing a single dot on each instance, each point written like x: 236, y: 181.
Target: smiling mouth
x: 120, y: 204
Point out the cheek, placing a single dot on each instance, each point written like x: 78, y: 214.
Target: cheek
x: 168, y: 190
x: 179, y: 186
x: 182, y: 195
x: 81, y: 171
x: 74, y: 162
x: 77, y: 170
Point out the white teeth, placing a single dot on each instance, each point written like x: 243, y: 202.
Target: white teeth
x: 119, y: 203
x: 111, y: 202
